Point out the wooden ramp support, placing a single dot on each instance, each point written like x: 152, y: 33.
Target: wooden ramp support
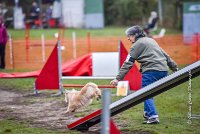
x: 139, y: 96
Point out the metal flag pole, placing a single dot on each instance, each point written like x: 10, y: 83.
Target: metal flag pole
x: 105, y: 118
x: 59, y: 69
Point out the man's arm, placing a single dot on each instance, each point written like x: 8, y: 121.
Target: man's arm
x: 170, y: 62
x: 127, y: 65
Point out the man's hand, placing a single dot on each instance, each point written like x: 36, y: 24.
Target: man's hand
x: 114, y: 82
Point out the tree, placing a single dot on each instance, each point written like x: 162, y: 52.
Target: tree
x: 128, y: 12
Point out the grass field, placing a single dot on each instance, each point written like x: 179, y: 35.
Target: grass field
x: 172, y: 105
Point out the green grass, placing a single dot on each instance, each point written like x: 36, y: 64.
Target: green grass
x: 169, y: 31
x: 10, y: 126
x: 172, y: 107
x: 108, y: 32
x: 49, y: 33
x: 25, y: 84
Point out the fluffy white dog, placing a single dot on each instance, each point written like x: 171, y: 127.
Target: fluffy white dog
x: 77, y: 99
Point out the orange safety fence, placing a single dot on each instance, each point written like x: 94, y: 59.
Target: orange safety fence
x: 173, y: 44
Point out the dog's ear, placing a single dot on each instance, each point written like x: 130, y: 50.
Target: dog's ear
x: 98, y: 93
x: 87, y: 87
x: 84, y: 89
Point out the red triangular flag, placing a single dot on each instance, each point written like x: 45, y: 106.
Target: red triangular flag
x: 113, y: 128
x: 49, y: 78
x: 133, y: 76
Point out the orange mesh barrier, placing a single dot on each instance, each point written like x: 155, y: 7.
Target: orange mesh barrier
x: 172, y: 44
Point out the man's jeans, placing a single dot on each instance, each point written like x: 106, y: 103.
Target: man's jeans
x: 148, y: 78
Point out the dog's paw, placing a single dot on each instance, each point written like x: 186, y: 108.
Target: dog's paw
x: 73, y: 110
x: 70, y: 111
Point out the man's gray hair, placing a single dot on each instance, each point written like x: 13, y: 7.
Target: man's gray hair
x: 134, y: 30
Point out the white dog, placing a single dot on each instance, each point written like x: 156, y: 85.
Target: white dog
x: 77, y: 99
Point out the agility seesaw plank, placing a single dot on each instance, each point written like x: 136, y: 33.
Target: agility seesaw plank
x: 139, y: 96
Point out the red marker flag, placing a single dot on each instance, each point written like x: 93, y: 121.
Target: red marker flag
x: 133, y: 76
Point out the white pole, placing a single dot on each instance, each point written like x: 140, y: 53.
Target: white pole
x: 74, y: 44
x: 160, y: 11
x: 11, y: 49
x: 43, y: 47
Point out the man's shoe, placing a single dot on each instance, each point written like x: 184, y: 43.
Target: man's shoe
x: 152, y: 121
x: 146, y: 117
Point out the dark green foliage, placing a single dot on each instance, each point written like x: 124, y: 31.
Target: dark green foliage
x: 127, y: 12
x: 130, y: 12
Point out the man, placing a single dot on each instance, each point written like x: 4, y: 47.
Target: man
x: 3, y: 41
x: 34, y: 11
x: 34, y: 15
x: 154, y: 63
x: 153, y: 20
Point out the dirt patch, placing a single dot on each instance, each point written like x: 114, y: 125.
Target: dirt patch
x: 42, y: 111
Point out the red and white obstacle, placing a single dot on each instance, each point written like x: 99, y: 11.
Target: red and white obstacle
x: 51, y: 78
